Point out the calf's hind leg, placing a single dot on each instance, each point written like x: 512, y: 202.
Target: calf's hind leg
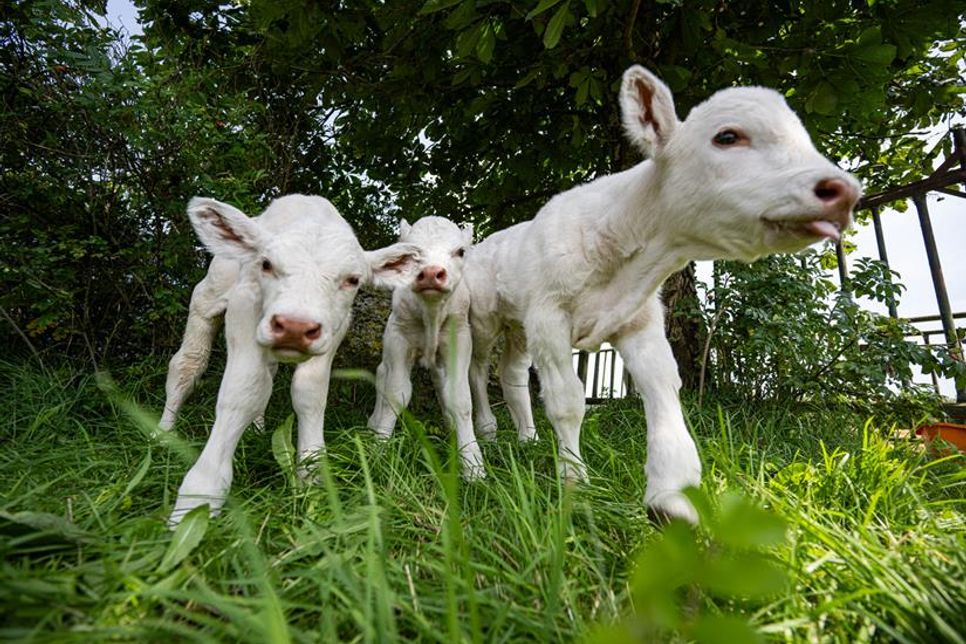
x: 205, y: 311
x: 548, y: 338
x: 515, y: 381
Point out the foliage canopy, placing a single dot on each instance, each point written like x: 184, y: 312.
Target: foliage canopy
x: 469, y: 109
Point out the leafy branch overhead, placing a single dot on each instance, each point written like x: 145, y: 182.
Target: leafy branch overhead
x: 479, y: 111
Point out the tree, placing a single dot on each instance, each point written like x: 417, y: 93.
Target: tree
x: 473, y: 110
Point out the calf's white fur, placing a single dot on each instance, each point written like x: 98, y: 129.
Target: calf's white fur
x: 286, y: 281
x: 739, y: 178
x: 430, y: 323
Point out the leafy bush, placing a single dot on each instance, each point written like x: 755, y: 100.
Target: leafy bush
x: 780, y: 328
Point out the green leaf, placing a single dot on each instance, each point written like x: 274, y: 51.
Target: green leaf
x: 186, y: 538
x: 555, y: 27
x: 468, y: 39
x: 282, y: 448
x: 582, y: 91
x: 743, y: 575
x: 672, y: 562
x: 676, y: 77
x: 486, y: 43
x: 542, y: 6
x: 529, y: 78
x: 724, y: 629
x: 871, y: 36
x: 591, y: 6
x: 432, y: 6
x: 139, y: 475
x: 742, y: 524
x: 881, y: 55
x: 823, y: 100
x: 43, y: 522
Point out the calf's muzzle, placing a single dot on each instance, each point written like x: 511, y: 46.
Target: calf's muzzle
x: 293, y: 333
x: 431, y: 278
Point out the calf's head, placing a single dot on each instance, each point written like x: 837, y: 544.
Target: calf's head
x: 442, y: 246
x: 305, y: 266
x: 739, y: 178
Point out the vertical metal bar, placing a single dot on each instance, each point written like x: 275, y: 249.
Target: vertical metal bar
x: 939, y: 284
x: 595, y: 392
x: 883, y: 257
x: 843, y: 267
x: 935, y: 379
x: 959, y: 145
x: 582, y: 369
x: 613, y: 366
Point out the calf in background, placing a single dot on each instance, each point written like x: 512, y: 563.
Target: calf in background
x: 430, y: 323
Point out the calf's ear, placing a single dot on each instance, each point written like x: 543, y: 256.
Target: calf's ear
x: 393, y: 266
x: 225, y: 230
x: 404, y: 228
x: 647, y: 110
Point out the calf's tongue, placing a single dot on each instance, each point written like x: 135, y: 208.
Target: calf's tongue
x: 823, y: 228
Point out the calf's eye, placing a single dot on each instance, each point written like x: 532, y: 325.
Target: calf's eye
x: 266, y: 266
x: 460, y: 252
x: 351, y: 282
x: 727, y: 138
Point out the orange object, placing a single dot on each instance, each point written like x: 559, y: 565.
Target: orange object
x: 955, y: 434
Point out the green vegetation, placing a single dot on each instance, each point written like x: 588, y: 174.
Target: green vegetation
x: 390, y: 544
x: 478, y: 111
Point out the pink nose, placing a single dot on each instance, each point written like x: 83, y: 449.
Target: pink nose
x: 292, y: 333
x: 838, y: 198
x: 431, y: 277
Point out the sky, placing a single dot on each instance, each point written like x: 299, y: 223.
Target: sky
x: 904, y: 243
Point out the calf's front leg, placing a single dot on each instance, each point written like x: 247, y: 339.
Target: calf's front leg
x: 310, y: 393
x: 484, y: 421
x: 394, y: 385
x: 453, y: 384
x: 245, y: 389
x: 672, y: 458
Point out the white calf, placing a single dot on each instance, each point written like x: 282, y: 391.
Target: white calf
x: 739, y: 178
x: 430, y: 323
x: 297, y: 269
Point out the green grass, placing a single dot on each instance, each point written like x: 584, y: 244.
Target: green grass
x: 391, y: 545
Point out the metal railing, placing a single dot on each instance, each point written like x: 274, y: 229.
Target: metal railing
x: 945, y: 179
x: 926, y: 334
x: 600, y: 374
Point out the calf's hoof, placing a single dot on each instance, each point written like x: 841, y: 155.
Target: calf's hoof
x: 383, y: 433
x: 471, y: 463
x: 573, y: 472
x: 184, y: 505
x: 664, y: 507
x: 485, y: 430
x: 473, y: 472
